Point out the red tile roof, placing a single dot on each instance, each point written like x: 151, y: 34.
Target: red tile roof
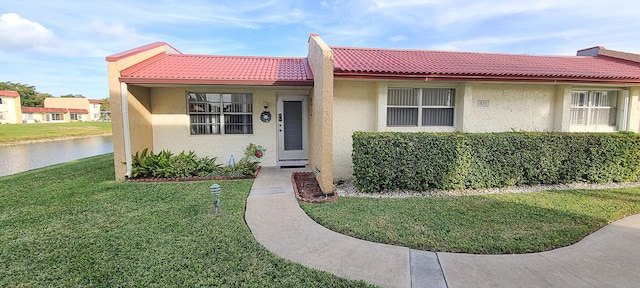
x: 95, y: 101
x: 208, y: 69
x: 439, y: 65
x: 53, y: 110
x: 13, y: 94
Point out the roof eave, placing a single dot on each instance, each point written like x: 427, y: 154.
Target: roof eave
x: 133, y: 80
x: 485, y: 78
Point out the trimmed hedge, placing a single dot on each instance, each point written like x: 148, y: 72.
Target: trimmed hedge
x: 421, y: 161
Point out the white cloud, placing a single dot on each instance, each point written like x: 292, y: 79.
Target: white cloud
x: 110, y: 31
x: 17, y: 33
x: 397, y: 38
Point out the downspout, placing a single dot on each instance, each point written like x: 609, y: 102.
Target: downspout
x: 124, y: 103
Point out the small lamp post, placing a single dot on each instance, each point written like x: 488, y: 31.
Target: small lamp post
x: 215, y: 192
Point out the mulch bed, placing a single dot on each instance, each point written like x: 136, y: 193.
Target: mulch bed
x: 255, y: 174
x: 307, y: 189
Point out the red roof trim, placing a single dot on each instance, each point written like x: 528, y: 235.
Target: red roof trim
x: 95, y: 101
x: 53, y: 110
x: 136, y: 80
x: 6, y: 93
x: 125, y: 54
x: 480, y: 78
x: 307, y: 69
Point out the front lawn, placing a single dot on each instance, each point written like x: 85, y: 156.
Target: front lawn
x: 10, y: 133
x: 71, y: 225
x: 486, y: 224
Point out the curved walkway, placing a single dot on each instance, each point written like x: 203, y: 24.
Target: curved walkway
x: 608, y: 258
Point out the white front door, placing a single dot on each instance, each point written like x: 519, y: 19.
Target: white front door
x: 292, y: 129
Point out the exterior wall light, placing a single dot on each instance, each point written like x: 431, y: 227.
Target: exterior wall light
x: 215, y: 192
x: 265, y: 116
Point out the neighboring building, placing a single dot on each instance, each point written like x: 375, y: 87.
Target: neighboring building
x: 95, y: 110
x: 10, y: 107
x: 52, y: 115
x: 80, y: 106
x: 317, y: 102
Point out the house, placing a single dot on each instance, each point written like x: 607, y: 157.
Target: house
x: 10, y: 107
x: 214, y: 105
x: 80, y: 109
x: 52, y: 115
x: 95, y: 113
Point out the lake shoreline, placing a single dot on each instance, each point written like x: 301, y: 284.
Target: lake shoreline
x: 42, y: 140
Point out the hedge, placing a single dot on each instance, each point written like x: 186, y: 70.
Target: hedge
x: 391, y: 161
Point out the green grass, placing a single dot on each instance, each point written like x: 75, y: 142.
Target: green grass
x: 24, y: 132
x: 485, y: 224
x: 71, y: 225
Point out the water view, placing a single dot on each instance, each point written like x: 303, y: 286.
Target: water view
x: 19, y: 158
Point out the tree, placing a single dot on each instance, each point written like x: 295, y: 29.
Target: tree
x: 29, y: 97
x: 105, y: 105
x: 73, y: 96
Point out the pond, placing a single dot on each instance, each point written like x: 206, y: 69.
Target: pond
x: 23, y: 157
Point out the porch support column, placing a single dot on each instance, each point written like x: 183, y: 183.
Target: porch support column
x: 633, y: 122
x: 381, y: 108
x: 562, y: 117
x: 465, y: 104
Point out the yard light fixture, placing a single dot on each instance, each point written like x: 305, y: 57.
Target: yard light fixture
x: 232, y: 161
x: 215, y: 192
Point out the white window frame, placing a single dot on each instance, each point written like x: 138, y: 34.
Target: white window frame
x: 421, y: 107
x: 222, y: 109
x: 587, y: 105
x: 53, y: 116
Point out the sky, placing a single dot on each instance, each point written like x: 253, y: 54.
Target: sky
x: 60, y: 46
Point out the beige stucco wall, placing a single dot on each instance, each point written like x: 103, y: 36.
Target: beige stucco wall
x: 320, y: 59
x: 72, y: 103
x: 523, y: 107
x: 11, y: 110
x: 360, y: 105
x: 354, y: 110
x: 140, y: 118
x: 171, y: 125
x: 115, y: 100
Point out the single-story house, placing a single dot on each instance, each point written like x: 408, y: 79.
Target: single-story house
x: 89, y: 107
x: 52, y: 115
x: 10, y: 107
x: 162, y: 98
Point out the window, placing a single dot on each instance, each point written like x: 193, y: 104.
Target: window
x: 1, y: 116
x: 73, y: 116
x: 1, y: 101
x: 55, y: 117
x: 420, y: 107
x: 221, y: 113
x: 592, y: 108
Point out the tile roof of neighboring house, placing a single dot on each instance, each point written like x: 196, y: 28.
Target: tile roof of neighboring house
x: 53, y: 110
x: 13, y: 94
x: 95, y: 101
x: 209, y: 69
x: 439, y: 65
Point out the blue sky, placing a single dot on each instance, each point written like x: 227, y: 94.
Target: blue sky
x: 60, y: 46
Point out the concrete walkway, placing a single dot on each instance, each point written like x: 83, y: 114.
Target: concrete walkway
x: 608, y: 258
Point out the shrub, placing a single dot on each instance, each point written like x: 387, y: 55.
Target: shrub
x: 146, y: 164
x: 421, y: 161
